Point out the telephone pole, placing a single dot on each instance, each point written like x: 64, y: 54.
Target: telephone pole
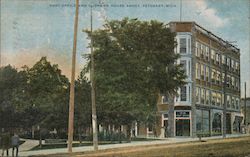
x: 180, y: 9
x: 72, y: 83
x: 245, y: 105
x: 92, y: 79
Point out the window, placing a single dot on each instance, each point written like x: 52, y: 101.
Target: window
x: 207, y: 73
x: 222, y: 98
x: 228, y: 101
x: 183, y: 63
x: 182, y: 114
x: 228, y: 62
x: 202, y: 72
x: 202, y: 51
x: 223, y: 77
x: 207, y: 97
x: 218, y: 99
x: 212, y: 55
x: 233, y: 82
x: 207, y: 53
x: 232, y: 102
x: 197, y: 49
x: 214, y: 75
x: 183, y: 45
x: 223, y: 59
x: 189, y: 68
x: 237, y: 67
x: 202, y: 96
x: 237, y: 103
x: 217, y: 58
x: 197, y: 70
x: 213, y: 98
x: 164, y: 99
x: 183, y: 93
x: 228, y: 80
x: 232, y: 64
x: 189, y: 45
x: 218, y: 77
x: 216, y: 123
x: 197, y: 95
x: 202, y: 121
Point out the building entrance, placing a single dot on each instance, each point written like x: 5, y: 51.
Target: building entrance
x: 182, y: 127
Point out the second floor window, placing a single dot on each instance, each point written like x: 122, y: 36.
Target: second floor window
x: 183, y: 63
x: 183, y: 45
x: 183, y: 93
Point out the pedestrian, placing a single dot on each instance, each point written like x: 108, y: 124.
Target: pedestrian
x: 15, y: 144
x: 6, y: 143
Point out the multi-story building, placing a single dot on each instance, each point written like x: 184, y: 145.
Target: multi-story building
x: 212, y: 66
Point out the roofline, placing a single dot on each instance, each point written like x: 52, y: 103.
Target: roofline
x: 223, y: 42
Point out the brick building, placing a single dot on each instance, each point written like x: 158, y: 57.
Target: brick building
x: 206, y: 59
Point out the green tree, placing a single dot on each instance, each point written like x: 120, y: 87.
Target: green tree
x: 48, y: 92
x: 12, y: 84
x: 82, y: 105
x: 134, y: 63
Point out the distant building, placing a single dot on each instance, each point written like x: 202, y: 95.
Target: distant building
x: 199, y: 106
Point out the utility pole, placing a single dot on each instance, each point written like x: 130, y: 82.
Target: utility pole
x: 245, y: 106
x: 224, y: 130
x: 180, y: 9
x: 72, y: 83
x: 92, y: 79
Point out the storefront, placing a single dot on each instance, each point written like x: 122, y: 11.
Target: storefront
x: 216, y: 118
x: 182, y: 123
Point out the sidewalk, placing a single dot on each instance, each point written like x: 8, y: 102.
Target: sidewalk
x: 24, y: 153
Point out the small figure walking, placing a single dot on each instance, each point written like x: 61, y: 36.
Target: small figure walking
x: 15, y: 144
x: 5, y: 143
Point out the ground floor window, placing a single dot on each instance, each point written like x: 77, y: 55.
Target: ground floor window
x: 216, y: 123
x: 202, y: 121
x: 182, y: 127
x: 237, y: 124
x: 182, y: 123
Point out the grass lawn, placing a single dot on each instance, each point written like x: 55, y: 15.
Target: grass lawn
x: 233, y: 147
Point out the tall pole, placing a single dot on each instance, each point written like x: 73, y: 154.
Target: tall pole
x: 224, y: 130
x: 180, y: 9
x: 245, y: 105
x: 92, y: 79
x: 72, y: 84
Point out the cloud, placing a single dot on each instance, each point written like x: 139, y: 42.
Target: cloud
x: 30, y: 56
x: 210, y: 14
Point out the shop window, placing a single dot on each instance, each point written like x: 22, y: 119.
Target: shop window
x: 202, y: 121
x: 217, y: 123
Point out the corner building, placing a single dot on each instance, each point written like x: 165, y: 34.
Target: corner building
x: 198, y: 108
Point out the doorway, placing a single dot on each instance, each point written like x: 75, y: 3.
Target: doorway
x: 182, y: 127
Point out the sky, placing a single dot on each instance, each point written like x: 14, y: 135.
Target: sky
x: 31, y: 29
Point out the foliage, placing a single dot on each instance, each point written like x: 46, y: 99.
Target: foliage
x: 134, y: 63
